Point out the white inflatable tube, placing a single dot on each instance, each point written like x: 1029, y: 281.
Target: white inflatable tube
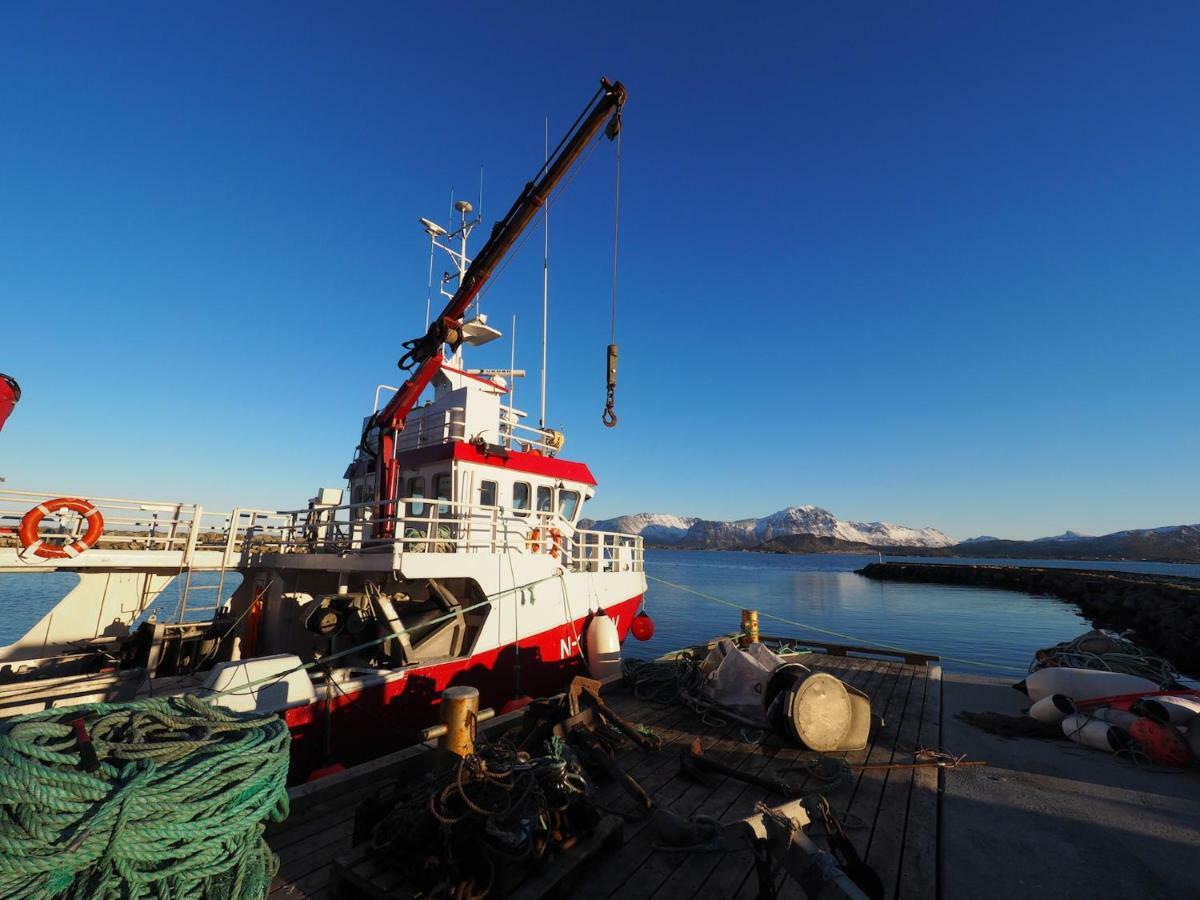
x: 1095, y: 733
x: 1082, y: 684
x: 1120, y: 717
x: 1052, y: 709
x: 1171, y: 710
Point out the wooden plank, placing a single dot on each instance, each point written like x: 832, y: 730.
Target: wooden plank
x: 922, y: 831
x: 737, y: 876
x: 910, y: 657
x: 887, y: 835
x: 329, y: 806
x: 608, y: 833
x: 305, y: 865
x: 723, y: 874
x: 892, y: 676
x: 666, y: 788
x: 308, y: 849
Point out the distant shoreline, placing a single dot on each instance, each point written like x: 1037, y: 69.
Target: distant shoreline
x: 934, y: 552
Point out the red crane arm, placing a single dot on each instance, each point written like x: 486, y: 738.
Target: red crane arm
x: 425, y: 352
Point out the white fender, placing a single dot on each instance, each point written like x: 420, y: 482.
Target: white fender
x: 1052, y: 709
x: 1082, y: 684
x: 1171, y: 710
x: 1095, y: 733
x: 1119, y: 717
x: 603, y: 646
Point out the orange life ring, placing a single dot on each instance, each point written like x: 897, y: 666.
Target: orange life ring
x: 555, y: 542
x: 28, y: 531
x: 534, y: 540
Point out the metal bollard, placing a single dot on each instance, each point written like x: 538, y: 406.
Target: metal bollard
x: 749, y: 627
x: 460, y: 715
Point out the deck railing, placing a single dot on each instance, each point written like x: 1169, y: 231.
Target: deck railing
x: 424, y: 525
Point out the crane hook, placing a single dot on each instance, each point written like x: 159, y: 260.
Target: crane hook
x: 609, y: 418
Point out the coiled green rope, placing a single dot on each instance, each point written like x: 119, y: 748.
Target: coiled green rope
x: 175, y: 808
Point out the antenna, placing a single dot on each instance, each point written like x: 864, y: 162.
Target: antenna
x: 512, y: 378
x: 545, y: 276
x: 430, y: 226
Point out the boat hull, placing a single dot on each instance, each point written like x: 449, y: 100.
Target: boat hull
x: 354, y: 724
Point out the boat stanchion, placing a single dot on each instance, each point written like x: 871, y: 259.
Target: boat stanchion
x: 749, y: 627
x: 460, y: 714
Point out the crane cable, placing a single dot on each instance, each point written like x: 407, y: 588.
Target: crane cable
x: 609, y: 417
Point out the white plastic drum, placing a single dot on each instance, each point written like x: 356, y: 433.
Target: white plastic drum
x: 603, y: 646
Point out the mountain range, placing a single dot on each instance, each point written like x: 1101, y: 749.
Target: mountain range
x: 810, y: 529
x: 1170, y: 543
x: 745, y: 534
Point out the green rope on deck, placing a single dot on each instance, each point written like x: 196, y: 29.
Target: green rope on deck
x: 174, y: 810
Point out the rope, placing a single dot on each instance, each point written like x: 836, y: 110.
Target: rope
x: 850, y: 637
x: 173, y: 807
x: 1115, y: 654
x: 496, y: 806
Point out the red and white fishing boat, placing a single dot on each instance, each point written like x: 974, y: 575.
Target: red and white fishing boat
x: 453, y: 556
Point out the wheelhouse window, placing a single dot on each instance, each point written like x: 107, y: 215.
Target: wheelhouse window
x: 487, y: 493
x: 568, y: 504
x: 545, y: 500
x: 416, y: 492
x: 441, y: 490
x: 521, y: 503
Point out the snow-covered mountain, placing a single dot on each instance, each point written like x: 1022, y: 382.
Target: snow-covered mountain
x: 1065, y: 536
x: 662, y: 528
x: 658, y: 528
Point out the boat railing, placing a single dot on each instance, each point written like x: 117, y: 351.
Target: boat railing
x: 187, y: 535
x: 515, y: 435
x: 426, y: 426
x: 144, y: 525
x: 432, y: 525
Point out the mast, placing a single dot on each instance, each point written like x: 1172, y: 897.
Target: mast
x: 423, y: 356
x: 545, y: 283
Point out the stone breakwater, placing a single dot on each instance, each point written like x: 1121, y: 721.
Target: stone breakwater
x: 1163, y: 611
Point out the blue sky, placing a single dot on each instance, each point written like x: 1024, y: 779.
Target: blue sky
x: 935, y: 264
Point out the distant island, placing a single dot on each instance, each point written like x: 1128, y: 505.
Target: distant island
x: 811, y: 529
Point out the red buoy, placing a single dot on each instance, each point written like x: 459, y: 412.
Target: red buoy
x: 10, y: 394
x: 642, y: 626
x: 1161, y: 743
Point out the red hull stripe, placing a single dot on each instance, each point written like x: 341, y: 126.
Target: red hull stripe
x: 516, y: 461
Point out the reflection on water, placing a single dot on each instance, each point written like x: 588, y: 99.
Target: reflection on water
x: 1001, y: 628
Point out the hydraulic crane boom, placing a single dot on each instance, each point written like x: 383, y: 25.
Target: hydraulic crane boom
x: 424, y: 353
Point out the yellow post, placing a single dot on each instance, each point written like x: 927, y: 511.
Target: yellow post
x: 749, y: 627
x: 460, y: 714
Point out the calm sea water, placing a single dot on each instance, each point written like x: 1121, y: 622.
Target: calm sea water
x: 998, y: 630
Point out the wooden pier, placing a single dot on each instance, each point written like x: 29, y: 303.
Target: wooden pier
x: 891, y: 815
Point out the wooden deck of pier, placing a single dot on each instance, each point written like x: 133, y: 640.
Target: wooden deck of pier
x: 892, y: 816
